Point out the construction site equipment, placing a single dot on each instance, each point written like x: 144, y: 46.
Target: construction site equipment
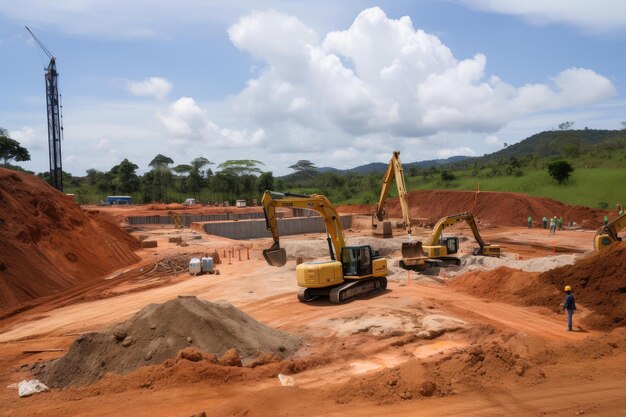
x: 176, y: 219
x: 190, y: 202
x: 381, y: 226
x: 438, y: 248
x: 568, y: 288
x: 195, y: 266
x: 609, y: 234
x: 55, y: 127
x: 359, y: 271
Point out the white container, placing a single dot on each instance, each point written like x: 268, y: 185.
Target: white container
x: 207, y: 265
x: 195, y: 266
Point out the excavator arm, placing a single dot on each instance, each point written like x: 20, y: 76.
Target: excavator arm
x: 276, y: 255
x: 483, y: 248
x: 394, y: 169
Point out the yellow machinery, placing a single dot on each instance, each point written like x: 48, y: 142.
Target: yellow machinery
x: 608, y: 234
x: 178, y: 223
x: 359, y: 271
x: 381, y: 226
x: 438, y: 248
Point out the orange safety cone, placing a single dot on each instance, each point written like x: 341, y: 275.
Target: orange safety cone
x: 444, y: 283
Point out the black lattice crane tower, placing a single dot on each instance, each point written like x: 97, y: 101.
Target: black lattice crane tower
x: 55, y: 129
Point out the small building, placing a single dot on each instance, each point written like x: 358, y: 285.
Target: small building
x: 240, y: 203
x: 119, y: 199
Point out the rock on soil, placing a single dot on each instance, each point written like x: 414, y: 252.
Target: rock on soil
x: 49, y: 244
x: 158, y: 332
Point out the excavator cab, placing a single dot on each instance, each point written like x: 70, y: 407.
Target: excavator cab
x: 357, y: 260
x: 451, y: 243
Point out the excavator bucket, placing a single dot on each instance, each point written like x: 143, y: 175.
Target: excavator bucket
x: 275, y: 255
x: 412, y: 250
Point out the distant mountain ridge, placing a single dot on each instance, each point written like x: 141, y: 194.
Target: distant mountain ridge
x: 545, y: 144
x: 550, y: 144
x: 380, y: 167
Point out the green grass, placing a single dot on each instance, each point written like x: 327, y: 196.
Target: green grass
x: 587, y: 186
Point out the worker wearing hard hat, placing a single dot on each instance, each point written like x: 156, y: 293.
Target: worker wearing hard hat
x: 570, y: 306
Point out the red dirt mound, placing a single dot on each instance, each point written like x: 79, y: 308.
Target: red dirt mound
x: 161, y: 331
x: 598, y: 281
x: 506, y: 209
x: 48, y: 244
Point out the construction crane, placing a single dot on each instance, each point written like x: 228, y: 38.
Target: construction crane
x: 55, y: 129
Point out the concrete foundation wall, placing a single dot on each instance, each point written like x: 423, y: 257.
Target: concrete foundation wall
x: 252, y: 229
x: 187, y: 219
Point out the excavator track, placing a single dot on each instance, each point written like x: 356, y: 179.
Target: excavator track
x: 352, y: 290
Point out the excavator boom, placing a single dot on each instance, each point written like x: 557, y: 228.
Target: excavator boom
x: 275, y: 255
x: 381, y: 226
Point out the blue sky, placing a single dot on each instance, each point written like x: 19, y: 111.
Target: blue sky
x: 338, y: 84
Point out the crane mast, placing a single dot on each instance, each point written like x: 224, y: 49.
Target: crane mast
x: 55, y: 129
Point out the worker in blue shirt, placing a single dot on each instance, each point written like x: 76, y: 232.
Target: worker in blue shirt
x: 570, y: 306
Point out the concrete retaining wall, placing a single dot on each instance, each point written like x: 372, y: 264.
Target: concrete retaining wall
x: 187, y: 219
x: 252, y: 229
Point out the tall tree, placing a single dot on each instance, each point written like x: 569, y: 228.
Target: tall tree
x: 265, y: 182
x: 126, y: 180
x: 162, y: 176
x: 305, y: 168
x: 196, y: 174
x: 560, y: 170
x: 240, y: 174
x: 161, y: 160
x: 239, y: 167
x: 11, y: 149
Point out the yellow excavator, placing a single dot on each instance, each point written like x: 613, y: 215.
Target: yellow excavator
x: 351, y: 272
x: 609, y: 234
x: 381, y: 226
x: 176, y: 219
x: 438, y: 248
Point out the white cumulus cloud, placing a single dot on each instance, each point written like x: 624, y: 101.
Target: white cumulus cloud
x: 29, y: 138
x: 383, y: 76
x: 594, y: 16
x: 186, y: 121
x: 156, y: 87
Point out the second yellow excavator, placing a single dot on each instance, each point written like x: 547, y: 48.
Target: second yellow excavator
x: 438, y: 248
x: 351, y: 272
x: 608, y: 234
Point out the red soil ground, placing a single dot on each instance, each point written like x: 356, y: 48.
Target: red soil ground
x: 49, y: 244
x: 598, y: 282
x: 505, y: 209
